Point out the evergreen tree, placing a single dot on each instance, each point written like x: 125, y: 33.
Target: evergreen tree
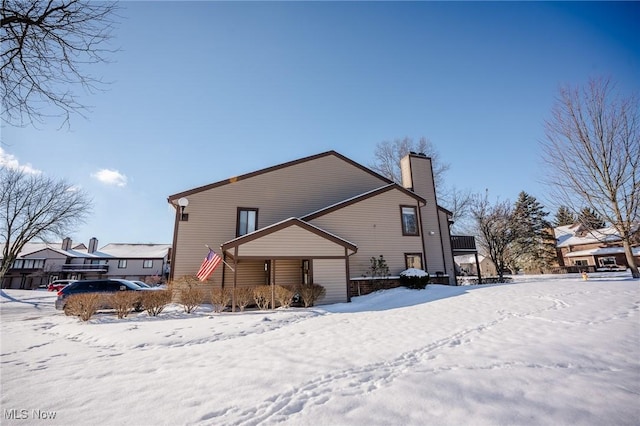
x: 590, y: 219
x: 534, y: 246
x: 564, y: 217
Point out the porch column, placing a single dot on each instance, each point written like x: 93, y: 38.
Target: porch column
x: 273, y: 285
x: 235, y: 279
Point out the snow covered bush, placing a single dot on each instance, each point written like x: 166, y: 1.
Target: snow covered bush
x: 83, y: 305
x: 415, y: 279
x: 310, y: 293
x: 262, y: 296
x: 123, y: 302
x: 220, y: 299
x: 154, y: 301
x: 284, y: 296
x: 244, y: 296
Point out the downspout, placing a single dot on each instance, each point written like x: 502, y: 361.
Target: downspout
x: 174, y: 245
x: 346, y: 266
x: 422, y: 236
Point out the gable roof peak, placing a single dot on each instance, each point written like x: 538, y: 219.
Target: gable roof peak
x: 173, y: 198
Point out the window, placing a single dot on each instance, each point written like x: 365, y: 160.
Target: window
x: 122, y: 263
x: 147, y: 263
x: 409, y: 220
x: 607, y: 262
x: 413, y: 260
x: 580, y: 262
x: 247, y: 221
x: 18, y: 263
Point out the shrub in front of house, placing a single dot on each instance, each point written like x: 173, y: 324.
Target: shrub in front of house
x: 220, y: 299
x: 191, y: 296
x: 310, y: 293
x: 154, y: 301
x: 123, y: 302
x: 83, y: 305
x: 244, y: 296
x: 413, y: 281
x: 284, y: 296
x: 262, y: 296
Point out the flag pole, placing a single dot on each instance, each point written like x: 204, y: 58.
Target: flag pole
x: 221, y: 258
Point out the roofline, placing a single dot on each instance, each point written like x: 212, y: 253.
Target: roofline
x: 234, y: 179
x: 360, y: 198
x: 285, y: 224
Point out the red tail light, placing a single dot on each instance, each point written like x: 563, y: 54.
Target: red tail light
x: 60, y: 292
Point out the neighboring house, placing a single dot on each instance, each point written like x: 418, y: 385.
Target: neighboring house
x: 318, y: 219
x: 468, y: 265
x: 579, y: 249
x: 40, y: 263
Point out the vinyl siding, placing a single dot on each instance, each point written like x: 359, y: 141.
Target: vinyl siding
x: 331, y: 274
x: 288, y: 272
x: 375, y: 225
x: 279, y: 194
x: 249, y: 273
x: 291, y: 242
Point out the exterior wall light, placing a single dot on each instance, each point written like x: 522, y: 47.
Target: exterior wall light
x: 183, y: 202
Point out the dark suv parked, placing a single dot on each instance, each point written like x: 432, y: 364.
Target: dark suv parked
x: 107, y: 286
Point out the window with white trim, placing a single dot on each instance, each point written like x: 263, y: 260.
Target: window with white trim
x: 409, y: 220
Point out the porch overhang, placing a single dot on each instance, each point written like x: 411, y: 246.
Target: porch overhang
x: 289, y: 239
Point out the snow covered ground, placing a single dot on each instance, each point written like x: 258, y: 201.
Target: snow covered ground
x: 542, y: 350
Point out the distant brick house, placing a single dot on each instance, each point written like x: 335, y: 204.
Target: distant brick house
x: 40, y: 263
x: 579, y: 249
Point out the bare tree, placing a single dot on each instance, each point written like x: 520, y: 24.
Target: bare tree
x: 45, y: 46
x: 387, y: 162
x: 592, y: 148
x: 494, y: 229
x: 459, y: 203
x: 389, y: 153
x: 33, y: 206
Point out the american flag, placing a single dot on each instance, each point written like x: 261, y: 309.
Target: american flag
x: 209, y: 264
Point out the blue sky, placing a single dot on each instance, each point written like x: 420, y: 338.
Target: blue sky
x: 202, y: 91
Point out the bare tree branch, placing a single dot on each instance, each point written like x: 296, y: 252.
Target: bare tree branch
x: 494, y: 230
x: 45, y: 47
x: 592, y: 149
x: 33, y: 206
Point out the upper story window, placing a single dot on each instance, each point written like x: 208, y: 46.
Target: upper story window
x: 122, y: 263
x: 409, y: 220
x: 247, y: 221
x: 147, y: 263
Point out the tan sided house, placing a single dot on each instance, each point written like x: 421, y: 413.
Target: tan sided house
x: 318, y: 219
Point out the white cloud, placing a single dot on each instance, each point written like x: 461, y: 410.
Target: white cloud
x: 10, y: 161
x: 110, y: 177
